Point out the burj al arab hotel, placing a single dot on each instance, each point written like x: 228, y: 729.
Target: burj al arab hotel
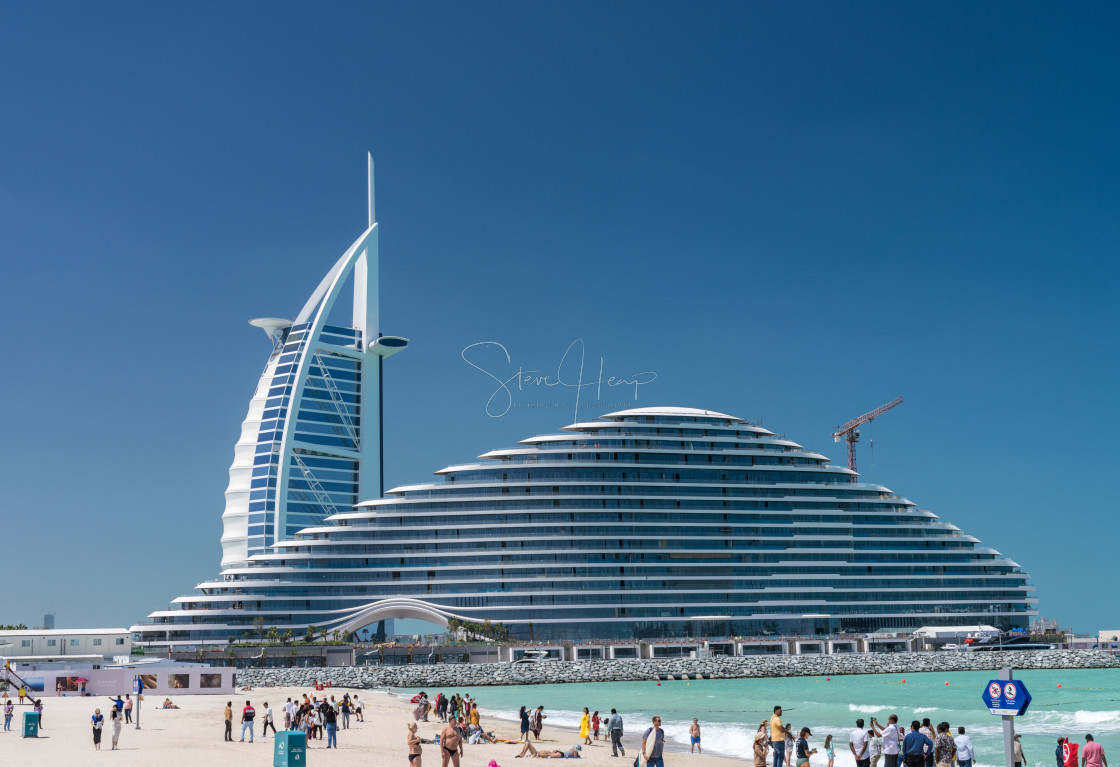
x: 644, y: 523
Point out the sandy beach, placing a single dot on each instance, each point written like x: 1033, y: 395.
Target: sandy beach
x: 193, y: 735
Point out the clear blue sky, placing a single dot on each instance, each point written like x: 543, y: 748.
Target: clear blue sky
x: 790, y: 212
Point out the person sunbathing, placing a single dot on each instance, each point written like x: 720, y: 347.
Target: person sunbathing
x: 571, y: 753
x: 168, y: 704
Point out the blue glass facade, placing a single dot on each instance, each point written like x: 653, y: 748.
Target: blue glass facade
x: 647, y: 523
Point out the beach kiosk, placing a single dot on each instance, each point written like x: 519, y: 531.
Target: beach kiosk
x: 289, y: 749
x: 30, y: 724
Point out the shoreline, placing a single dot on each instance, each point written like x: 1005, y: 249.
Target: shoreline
x: 457, y: 676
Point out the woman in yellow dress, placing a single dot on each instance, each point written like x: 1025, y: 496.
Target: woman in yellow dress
x: 585, y: 727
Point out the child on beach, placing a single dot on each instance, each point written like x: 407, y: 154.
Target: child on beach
x: 829, y: 751
x: 595, y: 725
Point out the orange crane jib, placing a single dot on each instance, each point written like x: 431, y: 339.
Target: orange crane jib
x: 850, y: 433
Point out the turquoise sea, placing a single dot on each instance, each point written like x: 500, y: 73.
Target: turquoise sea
x: 1088, y: 701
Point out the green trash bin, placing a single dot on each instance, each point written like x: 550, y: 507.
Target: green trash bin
x: 30, y: 724
x: 289, y: 749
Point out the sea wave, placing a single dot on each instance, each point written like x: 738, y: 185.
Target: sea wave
x: 925, y: 709
x: 864, y: 709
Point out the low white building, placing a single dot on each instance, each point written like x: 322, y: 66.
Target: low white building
x: 65, y: 645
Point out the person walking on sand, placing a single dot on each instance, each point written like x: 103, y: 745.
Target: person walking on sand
x: 536, y: 721
x: 451, y: 742
x: 857, y: 742
x: 778, y: 737
x: 584, y: 727
x: 248, y: 714
x: 128, y: 709
x: 9, y: 710
x: 655, y: 753
x: 1093, y: 754
x: 414, y: 748
x: 115, y: 720
x: 829, y: 751
x: 98, y: 722
x: 524, y: 715
x: 614, y: 728
x: 38, y: 709
x: 694, y: 736
x: 595, y: 721
x: 268, y: 722
x: 229, y: 721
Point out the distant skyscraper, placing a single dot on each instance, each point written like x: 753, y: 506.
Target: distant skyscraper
x: 48, y: 621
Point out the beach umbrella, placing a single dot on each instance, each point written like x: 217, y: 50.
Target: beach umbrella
x: 81, y: 679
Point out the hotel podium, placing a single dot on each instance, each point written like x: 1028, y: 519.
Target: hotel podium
x: 289, y: 749
x: 30, y: 724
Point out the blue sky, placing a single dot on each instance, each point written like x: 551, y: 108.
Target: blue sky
x: 789, y: 212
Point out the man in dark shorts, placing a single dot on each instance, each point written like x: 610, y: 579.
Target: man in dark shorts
x: 451, y: 743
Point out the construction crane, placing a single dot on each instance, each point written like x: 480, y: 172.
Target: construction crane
x: 850, y: 430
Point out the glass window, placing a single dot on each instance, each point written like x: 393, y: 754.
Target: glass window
x: 178, y: 681
x: 97, y: 642
x: 51, y: 643
x: 73, y: 642
x: 120, y: 640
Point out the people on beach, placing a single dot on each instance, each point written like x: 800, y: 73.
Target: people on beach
x: 344, y: 711
x: 9, y: 711
x: 584, y: 727
x: 115, y: 718
x: 1018, y: 751
x: 789, y: 744
x: 128, y: 709
x: 829, y: 751
x: 536, y: 721
x: 330, y: 721
x: 451, y: 742
x: 778, y: 737
x: 358, y: 715
x: 857, y: 743
x: 965, y: 754
x: 524, y: 716
x: 414, y: 749
x: 656, y: 736
x: 266, y: 717
x: 760, y: 747
x: 892, y: 740
x: 1093, y: 754
x: 98, y: 722
x: 38, y: 709
x: 571, y: 753
x: 694, y: 736
x: 614, y: 729
x: 22, y: 694
x: 915, y: 745
x: 229, y: 721
x: 944, y: 747
x: 803, y: 750
x: 927, y: 730
x: 595, y: 725
x: 874, y: 747
x: 248, y: 714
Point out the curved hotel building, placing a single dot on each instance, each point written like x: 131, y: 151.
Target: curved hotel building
x: 652, y: 522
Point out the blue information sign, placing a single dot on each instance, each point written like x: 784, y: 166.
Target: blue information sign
x: 1006, y: 697
x: 137, y: 686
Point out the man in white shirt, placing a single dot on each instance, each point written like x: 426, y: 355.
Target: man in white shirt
x: 891, y: 740
x: 965, y: 754
x: 857, y: 742
x: 290, y: 710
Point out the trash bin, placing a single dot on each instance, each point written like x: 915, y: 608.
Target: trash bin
x: 289, y: 749
x: 30, y: 724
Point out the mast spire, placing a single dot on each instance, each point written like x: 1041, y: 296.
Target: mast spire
x: 372, y: 213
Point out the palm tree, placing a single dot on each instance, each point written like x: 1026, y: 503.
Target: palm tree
x: 287, y: 637
x: 309, y: 637
x: 258, y: 626
x: 274, y: 635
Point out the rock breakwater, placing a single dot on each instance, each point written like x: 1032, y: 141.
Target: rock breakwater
x: 446, y: 675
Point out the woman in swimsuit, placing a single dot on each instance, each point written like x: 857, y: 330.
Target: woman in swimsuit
x: 413, y: 746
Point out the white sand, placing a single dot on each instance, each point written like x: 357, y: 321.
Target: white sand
x: 193, y: 735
